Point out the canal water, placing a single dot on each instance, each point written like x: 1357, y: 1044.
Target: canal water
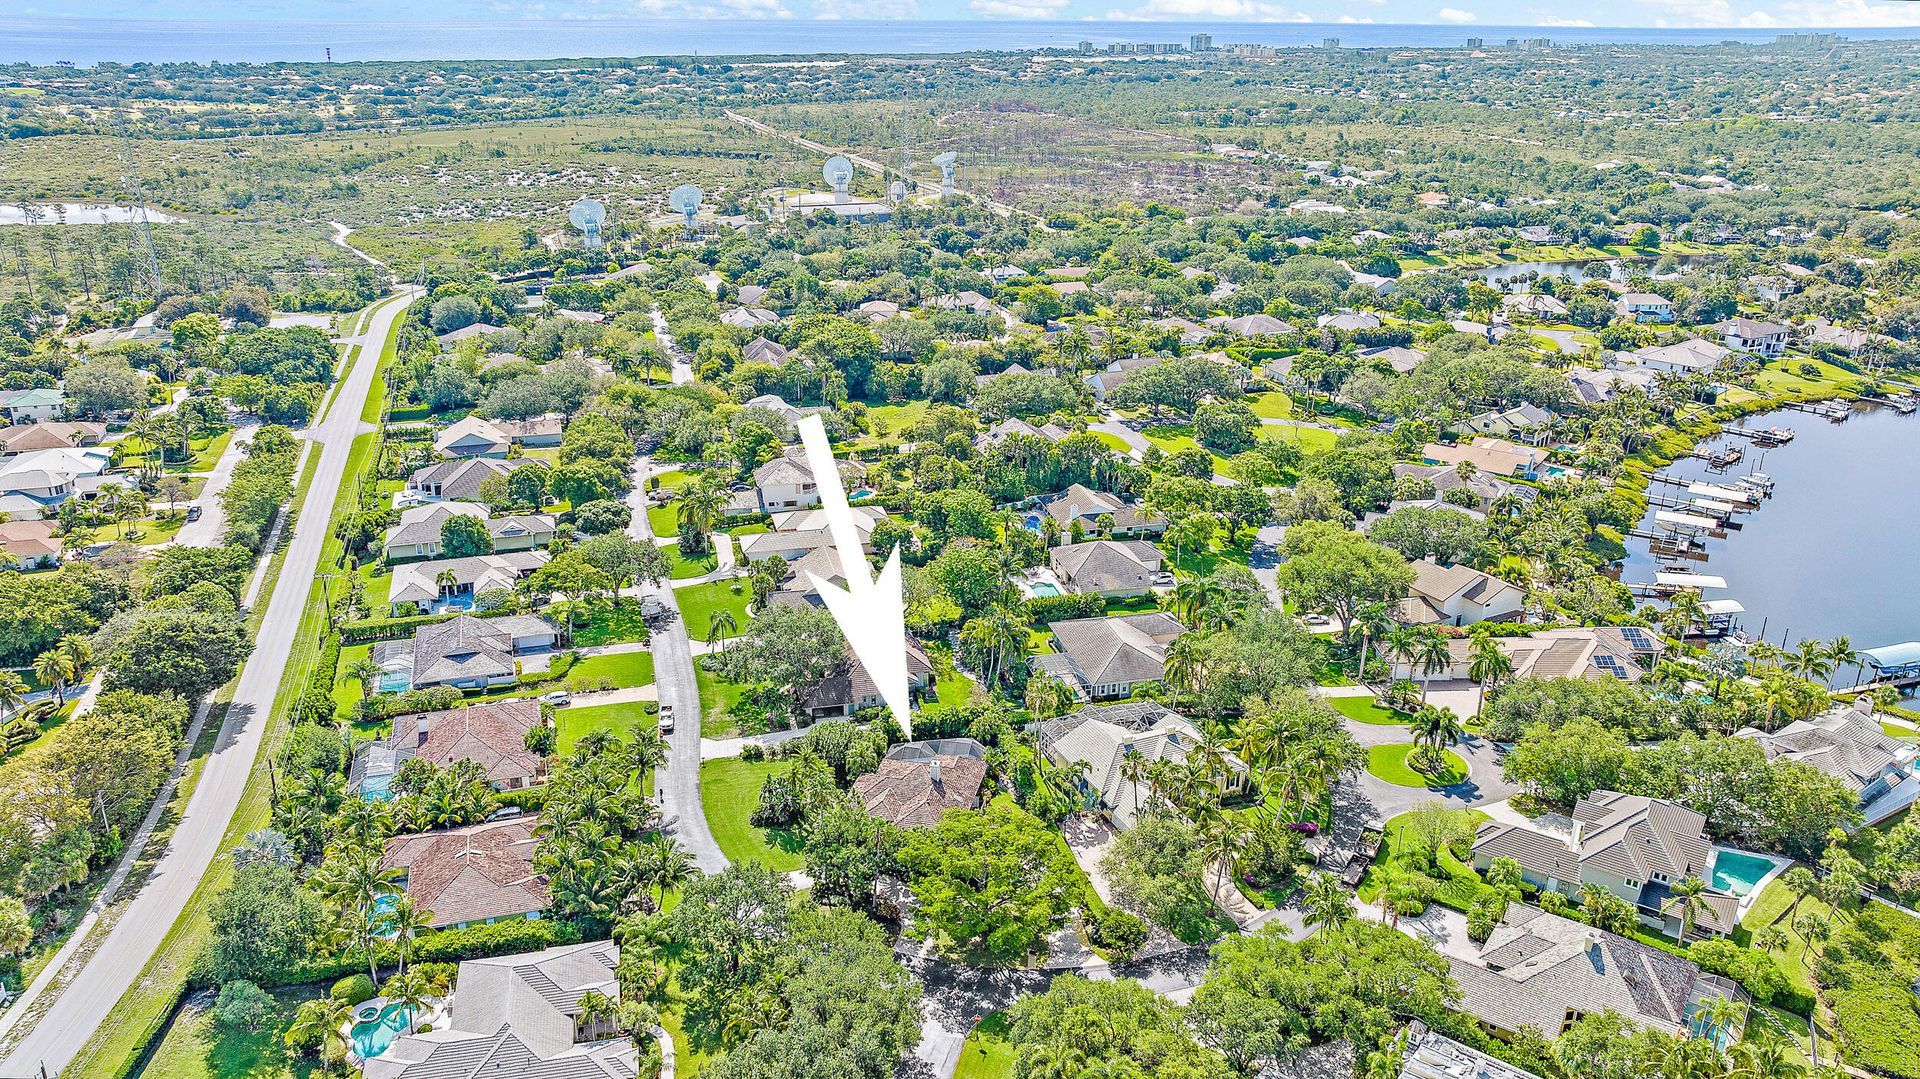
x: 1836, y: 550
x: 1577, y: 272
x: 80, y: 213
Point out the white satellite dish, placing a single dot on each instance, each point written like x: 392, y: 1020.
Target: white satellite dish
x: 946, y: 162
x: 685, y: 201
x: 838, y: 172
x: 588, y: 215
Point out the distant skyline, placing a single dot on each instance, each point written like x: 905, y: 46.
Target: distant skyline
x: 1728, y: 14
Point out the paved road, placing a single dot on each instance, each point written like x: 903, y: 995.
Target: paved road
x: 677, y: 356
x: 677, y: 781
x: 211, y: 529
x: 66, y: 1026
x: 1377, y: 800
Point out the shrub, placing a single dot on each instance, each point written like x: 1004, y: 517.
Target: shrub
x: 1119, y: 933
x: 242, y: 1005
x: 1061, y: 608
x: 1484, y: 915
x: 354, y: 989
x: 529, y: 799
x: 1756, y: 971
x: 753, y: 752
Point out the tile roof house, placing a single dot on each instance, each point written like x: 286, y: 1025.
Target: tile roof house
x: 1112, y: 568
x: 748, y: 318
x: 919, y: 781
x: 1432, y: 1055
x: 1498, y: 456
x: 418, y: 584
x: 1743, y: 334
x: 1105, y: 737
x: 1526, y: 422
x: 1110, y: 657
x: 1850, y: 745
x: 850, y: 688
x: 472, y: 436
x: 519, y: 1016
x: 1399, y: 357
x: 1458, y: 596
x: 1254, y: 325
x: 30, y: 544
x: 1007, y: 428
x: 1595, y: 386
x: 1591, y: 652
x: 1633, y: 846
x: 761, y: 350
x: 1645, y: 307
x: 54, y: 435
x: 797, y: 533
x: 46, y: 477
x: 1191, y: 332
x: 417, y: 535
x: 1682, y: 358
x: 494, y: 736
x: 1086, y: 505
x: 478, y: 329
x: 1545, y: 972
x: 460, y: 480
x: 1349, y: 321
x: 1486, y: 488
x: 467, y: 652
x: 787, y: 483
x: 1104, y: 381
x: 481, y: 873
x: 32, y: 406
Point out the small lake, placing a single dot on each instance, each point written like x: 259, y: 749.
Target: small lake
x: 81, y: 213
x: 1577, y: 271
x: 1836, y: 550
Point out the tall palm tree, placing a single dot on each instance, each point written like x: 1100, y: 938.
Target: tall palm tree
x: 1841, y: 653
x: 366, y: 672
x: 1371, y: 621
x: 1435, y: 729
x: 719, y: 624
x: 352, y: 880
x: 1686, y: 899
x: 322, y: 1021
x: 701, y: 504
x: 1722, y: 1015
x: 13, y: 692
x: 1490, y: 665
x: 1328, y: 904
x: 665, y: 866
x: 1185, y: 665
x: 1809, y: 661
x: 406, y: 921
x: 1685, y: 611
x: 54, y: 668
x: 1433, y: 654
x: 1047, y: 696
x: 410, y: 990
x: 145, y: 428
x: 446, y: 581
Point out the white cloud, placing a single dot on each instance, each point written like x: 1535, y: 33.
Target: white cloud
x: 1455, y: 15
x: 1018, y: 9
x: 696, y: 9
x: 866, y: 9
x: 1556, y: 20
x: 1224, y: 10
x: 1348, y: 19
x: 1834, y: 14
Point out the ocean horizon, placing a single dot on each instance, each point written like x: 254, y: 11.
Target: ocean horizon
x: 88, y: 42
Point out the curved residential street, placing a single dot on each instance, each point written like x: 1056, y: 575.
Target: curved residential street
x: 87, y: 993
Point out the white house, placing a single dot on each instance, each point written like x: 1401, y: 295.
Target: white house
x: 1743, y: 334
x: 417, y: 535
x: 1696, y: 356
x: 1112, y: 568
x: 1459, y: 596
x: 1645, y: 307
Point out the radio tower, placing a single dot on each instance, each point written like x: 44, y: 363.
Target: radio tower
x: 130, y: 182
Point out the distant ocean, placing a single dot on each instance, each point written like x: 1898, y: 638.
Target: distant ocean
x: 92, y: 41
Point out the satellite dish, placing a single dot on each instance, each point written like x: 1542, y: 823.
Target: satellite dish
x: 588, y: 215
x: 897, y: 191
x: 946, y: 162
x: 838, y: 172
x: 685, y: 201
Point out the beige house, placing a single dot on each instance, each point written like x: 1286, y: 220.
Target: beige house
x: 1112, y: 568
x: 417, y: 535
x: 1458, y: 596
x: 1103, y: 658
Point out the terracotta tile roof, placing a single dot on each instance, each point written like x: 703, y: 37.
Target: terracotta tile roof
x: 493, y: 736
x: 471, y: 874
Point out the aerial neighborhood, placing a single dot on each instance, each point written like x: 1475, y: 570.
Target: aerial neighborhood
x: 427, y: 656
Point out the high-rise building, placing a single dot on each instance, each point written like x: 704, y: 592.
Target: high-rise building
x: 1200, y: 43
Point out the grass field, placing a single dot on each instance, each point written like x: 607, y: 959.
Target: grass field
x: 988, y: 1054
x: 1112, y: 441
x: 716, y: 697
x: 729, y: 789
x: 1271, y: 406
x: 699, y: 603
x: 1309, y: 439
x: 611, y: 625
x: 1394, y: 837
x: 195, y: 1047
x: 1366, y: 710
x: 621, y: 671
x: 664, y: 520
x: 577, y: 722
x: 682, y: 568
x: 1392, y: 764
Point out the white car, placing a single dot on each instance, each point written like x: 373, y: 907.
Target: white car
x: 559, y: 698
x: 666, y: 719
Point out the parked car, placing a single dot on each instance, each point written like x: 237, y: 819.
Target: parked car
x: 1163, y: 578
x: 559, y: 698
x: 193, y: 513
x: 666, y: 719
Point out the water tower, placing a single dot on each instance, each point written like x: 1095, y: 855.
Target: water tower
x: 838, y: 173
x: 685, y: 201
x: 588, y: 215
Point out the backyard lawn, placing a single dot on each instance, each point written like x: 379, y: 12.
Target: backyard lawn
x: 729, y: 789
x: 897, y: 419
x: 1179, y: 439
x: 1309, y: 439
x: 699, y: 603
x: 611, y: 625
x: 682, y: 568
x: 716, y: 699
x: 619, y: 671
x: 664, y: 520
x: 573, y: 724
x: 194, y: 1047
x: 1366, y: 710
x: 988, y: 1053
x: 1392, y: 764
x: 1270, y: 406
x: 346, y: 692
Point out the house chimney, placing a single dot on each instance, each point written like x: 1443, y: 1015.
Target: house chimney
x: 1593, y: 940
x: 933, y: 771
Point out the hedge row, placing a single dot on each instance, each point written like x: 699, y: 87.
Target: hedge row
x: 445, y: 946
x: 1061, y: 608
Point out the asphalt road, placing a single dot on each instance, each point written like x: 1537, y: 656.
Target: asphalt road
x: 678, y: 780
x: 92, y: 990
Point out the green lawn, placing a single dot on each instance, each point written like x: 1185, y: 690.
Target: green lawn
x: 898, y: 419
x: 346, y: 691
x: 577, y: 722
x: 951, y: 688
x: 1390, y: 763
x: 988, y: 1053
x: 1178, y: 440
x: 1112, y: 441
x: 1271, y: 406
x: 673, y: 480
x: 729, y: 789
x: 664, y: 520
x: 681, y: 568
x: 699, y: 603
x: 1366, y: 710
x: 620, y: 671
x: 1394, y: 835
x: 611, y: 625
x: 1309, y: 439
x: 716, y: 698
x: 194, y: 1047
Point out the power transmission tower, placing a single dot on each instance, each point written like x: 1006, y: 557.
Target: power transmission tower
x: 130, y: 182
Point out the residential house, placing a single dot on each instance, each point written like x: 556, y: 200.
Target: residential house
x: 1596, y: 386
x: 850, y: 688
x: 875, y: 310
x: 1105, y: 737
x: 796, y: 533
x: 1399, y: 357
x: 787, y: 483
x: 29, y: 544
x: 1695, y: 356
x: 1103, y: 658
x: 1385, y: 286
x: 1525, y: 422
x: 476, y: 875
x: 1458, y: 596
x: 1491, y: 455
x: 1645, y: 307
x: 1539, y: 234
x: 776, y: 404
x: 1633, y: 846
x: 1109, y: 378
x: 1257, y: 324
x: 460, y: 480
x: 1349, y: 321
x: 1007, y: 428
x: 1111, y: 568
x: 51, y: 435
x: 1849, y: 744
x: 1772, y: 288
x: 751, y: 294
x: 1743, y: 334
x: 917, y: 782
x: 797, y: 588
x: 472, y: 437
x: 467, y: 652
x: 450, y: 341
x: 1485, y: 487
x: 749, y: 318
x: 1535, y: 305
x: 762, y: 350
x: 1191, y: 332
x: 968, y: 300
x: 1000, y: 275
x: 1430, y: 1054
x: 493, y: 736
x: 1015, y: 368
x: 417, y: 535
x: 1590, y: 653
x: 1085, y: 505
x: 32, y: 406
x: 424, y: 587
x: 1067, y: 273
x: 1544, y: 973
x: 1848, y: 340
x: 1070, y: 288
x: 39, y: 478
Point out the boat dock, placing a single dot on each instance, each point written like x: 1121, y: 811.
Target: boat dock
x: 1765, y: 436
x: 1827, y: 410
x: 1739, y: 497
x: 1719, y: 456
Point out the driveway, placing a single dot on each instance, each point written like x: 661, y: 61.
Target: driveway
x: 1375, y: 800
x: 66, y: 1025
x: 211, y: 529
x: 1136, y: 442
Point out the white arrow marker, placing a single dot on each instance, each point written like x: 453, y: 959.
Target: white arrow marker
x: 871, y: 612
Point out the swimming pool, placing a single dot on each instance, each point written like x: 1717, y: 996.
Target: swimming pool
x: 372, y: 1037
x: 1737, y: 872
x: 376, y: 787
x: 1042, y: 588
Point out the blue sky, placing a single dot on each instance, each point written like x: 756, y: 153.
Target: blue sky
x: 1755, y: 14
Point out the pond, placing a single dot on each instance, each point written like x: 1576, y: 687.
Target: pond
x: 1833, y: 551
x: 1578, y: 271
x: 80, y: 213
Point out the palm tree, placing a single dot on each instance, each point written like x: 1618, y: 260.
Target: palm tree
x: 1371, y: 621
x: 1490, y: 665
x: 410, y: 990
x: 353, y: 881
x: 1432, y: 653
x: 1047, y: 696
x: 719, y: 624
x: 1687, y: 611
x: 1722, y: 1015
x: 1802, y: 883
x: 1809, y: 661
x: 54, y: 668
x: 1841, y: 653
x: 1185, y: 665
x: 148, y: 431
x: 366, y: 672
x: 595, y: 1006
x: 322, y: 1021
x: 701, y: 504
x: 664, y: 866
x: 13, y: 692
x: 447, y: 581
x: 406, y: 921
x: 1328, y: 904
x: 1435, y: 729
x: 1686, y: 899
